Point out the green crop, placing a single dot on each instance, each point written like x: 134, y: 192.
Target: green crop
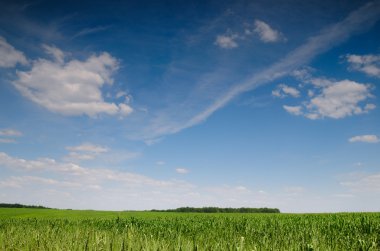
x: 34, y: 229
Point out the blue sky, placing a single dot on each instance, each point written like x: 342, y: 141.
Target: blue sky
x: 144, y: 105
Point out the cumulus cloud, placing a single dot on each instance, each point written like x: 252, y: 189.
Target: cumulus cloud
x: 295, y: 110
x: 226, y: 41
x: 368, y: 64
x: 9, y: 56
x: 283, y: 91
x: 341, y: 99
x: 71, y: 87
x: 266, y: 33
x: 332, y: 99
x: 182, y: 170
x: 365, y: 139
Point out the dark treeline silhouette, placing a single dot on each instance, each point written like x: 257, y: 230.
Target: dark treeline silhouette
x: 220, y: 210
x: 21, y: 206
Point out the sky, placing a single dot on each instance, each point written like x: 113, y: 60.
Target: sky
x: 134, y: 105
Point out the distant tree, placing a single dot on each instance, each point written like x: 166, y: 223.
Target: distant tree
x: 16, y: 205
x: 220, y: 210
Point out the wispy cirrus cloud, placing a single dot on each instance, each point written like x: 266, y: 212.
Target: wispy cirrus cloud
x: 102, y: 154
x: 182, y: 170
x: 10, y: 132
x: 85, y: 151
x: 7, y: 141
x: 92, y: 30
x: 8, y: 135
x: 88, y: 147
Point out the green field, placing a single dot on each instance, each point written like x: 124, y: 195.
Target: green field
x: 48, y: 229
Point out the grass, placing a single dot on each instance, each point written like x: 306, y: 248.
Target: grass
x: 48, y: 229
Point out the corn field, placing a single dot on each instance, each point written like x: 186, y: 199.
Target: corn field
x: 33, y: 229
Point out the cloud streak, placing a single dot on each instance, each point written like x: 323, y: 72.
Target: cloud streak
x: 7, y: 135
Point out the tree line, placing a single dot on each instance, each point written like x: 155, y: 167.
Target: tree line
x: 16, y: 205
x: 220, y: 210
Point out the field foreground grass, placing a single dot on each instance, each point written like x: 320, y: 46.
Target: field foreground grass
x: 48, y: 229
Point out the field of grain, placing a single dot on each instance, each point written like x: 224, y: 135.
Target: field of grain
x: 46, y: 229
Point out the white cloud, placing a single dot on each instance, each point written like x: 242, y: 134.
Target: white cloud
x: 365, y: 139
x: 334, y: 99
x: 295, y: 110
x: 56, y: 53
x: 127, y: 97
x: 283, y: 91
x: 21, y: 181
x: 75, y: 156
x: 82, y: 174
x: 241, y: 188
x: 120, y: 94
x: 182, y: 170
x: 72, y: 87
x: 368, y: 64
x: 48, y: 182
x: 9, y: 56
x: 87, y: 147
x: 10, y: 133
x: 85, y: 151
x: 226, y: 41
x: 341, y: 99
x: 160, y: 163
x: 266, y: 33
x: 124, y: 109
x: 310, y: 93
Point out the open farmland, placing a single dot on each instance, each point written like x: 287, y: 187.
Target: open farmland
x: 48, y: 229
